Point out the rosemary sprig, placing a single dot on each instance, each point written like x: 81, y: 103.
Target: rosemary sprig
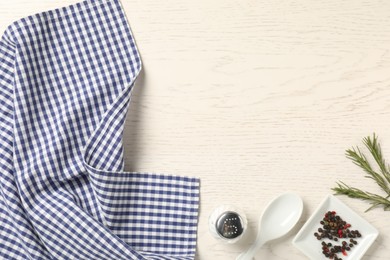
x: 375, y: 149
x: 374, y: 199
x: 382, y: 178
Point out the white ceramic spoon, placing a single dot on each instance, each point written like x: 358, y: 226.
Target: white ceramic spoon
x: 279, y: 217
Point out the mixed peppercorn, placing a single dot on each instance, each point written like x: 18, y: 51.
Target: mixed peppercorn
x: 335, y: 229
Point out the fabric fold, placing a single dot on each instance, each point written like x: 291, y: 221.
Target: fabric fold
x: 66, y: 78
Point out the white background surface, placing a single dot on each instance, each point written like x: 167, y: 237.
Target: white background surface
x: 256, y: 98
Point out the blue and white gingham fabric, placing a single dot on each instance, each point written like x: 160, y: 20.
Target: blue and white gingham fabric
x: 65, y: 83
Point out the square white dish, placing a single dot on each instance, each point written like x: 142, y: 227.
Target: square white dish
x: 311, y: 246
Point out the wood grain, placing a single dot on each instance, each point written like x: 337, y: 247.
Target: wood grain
x: 256, y: 98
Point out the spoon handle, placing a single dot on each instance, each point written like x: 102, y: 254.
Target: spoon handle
x: 250, y: 253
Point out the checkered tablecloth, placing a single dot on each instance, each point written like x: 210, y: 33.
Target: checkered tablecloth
x: 66, y: 78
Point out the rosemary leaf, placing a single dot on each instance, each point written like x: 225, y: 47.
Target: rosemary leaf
x: 382, y: 178
x: 361, y: 160
x: 375, y: 149
x: 374, y: 199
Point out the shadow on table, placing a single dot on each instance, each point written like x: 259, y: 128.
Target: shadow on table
x: 131, y: 133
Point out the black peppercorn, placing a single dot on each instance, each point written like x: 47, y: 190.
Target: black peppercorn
x: 336, y: 229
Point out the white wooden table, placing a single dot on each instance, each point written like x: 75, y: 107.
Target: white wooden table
x: 256, y: 98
